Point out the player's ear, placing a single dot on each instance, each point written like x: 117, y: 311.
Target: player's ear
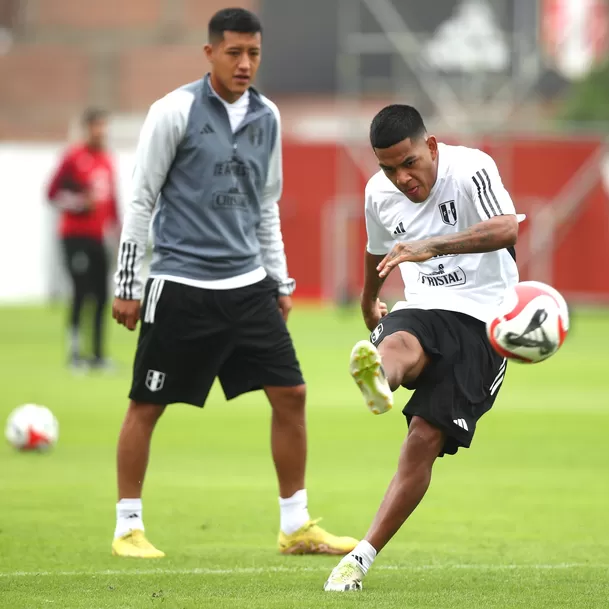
x: 432, y: 144
x: 208, y: 49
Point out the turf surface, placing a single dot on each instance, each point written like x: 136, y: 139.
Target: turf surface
x: 519, y: 520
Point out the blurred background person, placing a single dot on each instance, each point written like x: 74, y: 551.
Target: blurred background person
x: 83, y: 190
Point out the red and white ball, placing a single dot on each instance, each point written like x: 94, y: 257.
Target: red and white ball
x: 531, y: 323
x: 32, y: 427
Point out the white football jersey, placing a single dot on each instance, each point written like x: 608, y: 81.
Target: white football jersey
x: 467, y: 191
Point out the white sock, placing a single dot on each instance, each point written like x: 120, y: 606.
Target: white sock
x: 293, y: 512
x: 364, y: 554
x: 128, y: 516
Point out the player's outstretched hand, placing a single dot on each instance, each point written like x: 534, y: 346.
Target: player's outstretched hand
x: 373, y: 313
x: 419, y: 251
x: 126, y: 312
x: 285, y: 306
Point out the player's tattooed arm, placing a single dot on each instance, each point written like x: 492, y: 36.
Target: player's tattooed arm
x: 488, y: 236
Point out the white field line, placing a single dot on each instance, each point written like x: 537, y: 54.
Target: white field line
x: 263, y: 570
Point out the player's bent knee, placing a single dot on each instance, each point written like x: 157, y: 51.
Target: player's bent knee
x: 425, y: 436
x: 405, y: 349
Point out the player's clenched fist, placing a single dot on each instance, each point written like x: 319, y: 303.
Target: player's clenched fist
x: 126, y: 312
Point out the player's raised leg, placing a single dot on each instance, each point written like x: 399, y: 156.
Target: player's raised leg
x: 378, y: 372
x: 132, y: 462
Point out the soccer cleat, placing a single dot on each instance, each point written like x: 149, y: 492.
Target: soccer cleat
x: 78, y: 365
x: 345, y: 577
x: 135, y: 545
x: 312, y: 539
x: 368, y: 373
x: 103, y: 364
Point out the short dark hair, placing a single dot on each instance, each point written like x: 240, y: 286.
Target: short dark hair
x: 396, y: 123
x: 233, y: 20
x: 92, y: 115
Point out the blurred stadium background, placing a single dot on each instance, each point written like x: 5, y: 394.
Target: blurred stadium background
x: 528, y: 81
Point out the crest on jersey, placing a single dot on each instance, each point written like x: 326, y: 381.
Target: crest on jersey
x: 448, y: 212
x: 377, y: 333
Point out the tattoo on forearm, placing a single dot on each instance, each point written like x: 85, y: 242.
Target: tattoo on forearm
x: 476, y: 239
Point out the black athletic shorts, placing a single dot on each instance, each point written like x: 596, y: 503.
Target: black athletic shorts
x: 189, y: 336
x: 463, y: 378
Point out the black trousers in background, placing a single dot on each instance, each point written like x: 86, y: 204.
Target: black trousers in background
x: 87, y: 264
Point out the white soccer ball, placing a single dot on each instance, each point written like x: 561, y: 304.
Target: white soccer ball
x: 531, y: 323
x: 32, y: 427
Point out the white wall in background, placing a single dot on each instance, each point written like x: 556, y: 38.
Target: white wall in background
x: 30, y: 258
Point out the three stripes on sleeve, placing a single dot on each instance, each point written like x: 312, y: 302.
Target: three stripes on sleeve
x: 125, y: 279
x: 487, y: 197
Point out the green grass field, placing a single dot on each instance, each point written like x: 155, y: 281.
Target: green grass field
x: 519, y: 520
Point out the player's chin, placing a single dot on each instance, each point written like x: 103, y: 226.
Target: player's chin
x: 239, y: 85
x: 416, y: 195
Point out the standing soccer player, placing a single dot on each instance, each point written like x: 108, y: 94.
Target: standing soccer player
x: 83, y: 189
x: 218, y: 295
x: 455, y: 227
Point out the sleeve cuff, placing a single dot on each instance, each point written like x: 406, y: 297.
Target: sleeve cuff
x: 287, y: 287
x: 377, y: 251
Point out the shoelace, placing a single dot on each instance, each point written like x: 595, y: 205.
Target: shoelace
x: 311, y: 524
x: 140, y: 541
x: 347, y: 570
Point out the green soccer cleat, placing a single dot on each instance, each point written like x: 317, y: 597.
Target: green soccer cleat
x: 345, y: 577
x: 368, y: 373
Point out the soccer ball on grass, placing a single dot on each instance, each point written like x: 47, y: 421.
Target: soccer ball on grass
x: 32, y: 427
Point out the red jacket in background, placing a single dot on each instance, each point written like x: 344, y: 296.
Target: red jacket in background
x: 89, y: 172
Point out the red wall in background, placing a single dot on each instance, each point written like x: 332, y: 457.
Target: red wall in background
x: 531, y: 168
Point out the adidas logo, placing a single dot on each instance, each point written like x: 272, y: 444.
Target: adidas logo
x: 461, y: 423
x: 399, y: 229
x: 207, y: 129
x: 359, y: 559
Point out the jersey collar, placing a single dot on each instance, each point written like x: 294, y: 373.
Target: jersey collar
x: 255, y: 103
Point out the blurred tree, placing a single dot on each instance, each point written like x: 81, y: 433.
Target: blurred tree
x: 588, y: 99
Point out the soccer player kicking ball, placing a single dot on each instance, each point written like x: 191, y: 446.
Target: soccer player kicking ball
x: 455, y: 228
x: 209, y: 164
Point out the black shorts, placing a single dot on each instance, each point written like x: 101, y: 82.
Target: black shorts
x: 189, y: 336
x: 464, y: 377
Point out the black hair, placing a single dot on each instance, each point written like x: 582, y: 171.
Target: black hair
x: 233, y: 20
x: 92, y: 115
x: 396, y: 123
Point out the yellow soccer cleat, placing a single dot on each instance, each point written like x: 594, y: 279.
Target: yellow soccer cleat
x: 312, y: 539
x: 367, y: 371
x: 135, y: 545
